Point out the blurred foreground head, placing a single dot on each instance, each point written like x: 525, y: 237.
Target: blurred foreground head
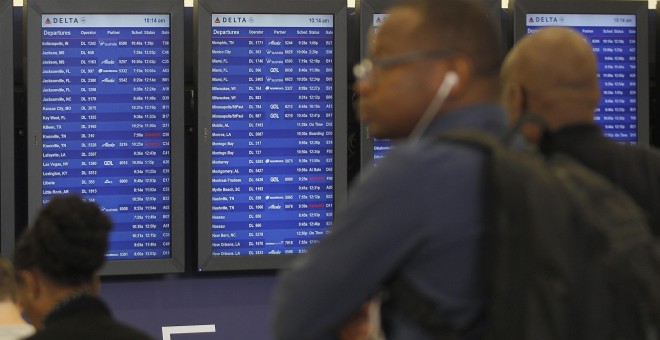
x: 411, y: 54
x: 60, y: 253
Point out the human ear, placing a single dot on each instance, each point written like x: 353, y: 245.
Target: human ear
x: 463, y: 71
x: 513, y: 100
x: 29, y: 285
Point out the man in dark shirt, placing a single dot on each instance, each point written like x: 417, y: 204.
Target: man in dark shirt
x: 433, y: 68
x: 553, y: 73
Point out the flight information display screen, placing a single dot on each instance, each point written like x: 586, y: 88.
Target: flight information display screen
x: 381, y: 146
x: 106, y: 122
x: 272, y: 131
x: 614, y: 41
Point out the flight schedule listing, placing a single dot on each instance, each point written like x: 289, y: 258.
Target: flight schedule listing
x: 106, y: 123
x: 614, y: 41
x: 272, y: 132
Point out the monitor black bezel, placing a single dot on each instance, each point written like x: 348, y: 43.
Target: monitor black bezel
x: 203, y: 9
x: 7, y: 197
x: 521, y: 8
x: 33, y: 9
x: 365, y: 9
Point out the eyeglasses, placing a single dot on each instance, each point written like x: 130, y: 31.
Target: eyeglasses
x: 364, y: 70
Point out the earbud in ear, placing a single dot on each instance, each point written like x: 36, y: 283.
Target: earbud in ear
x: 451, y: 78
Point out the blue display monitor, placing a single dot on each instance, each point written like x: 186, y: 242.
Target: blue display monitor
x: 371, y: 15
x: 7, y: 213
x: 105, y: 120
x: 618, y: 32
x: 271, y: 79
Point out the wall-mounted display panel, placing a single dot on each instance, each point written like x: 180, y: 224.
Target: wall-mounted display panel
x: 271, y: 83
x: 105, y: 120
x: 618, y: 32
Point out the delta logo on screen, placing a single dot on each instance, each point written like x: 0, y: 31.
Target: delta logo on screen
x: 545, y: 19
x: 379, y: 19
x: 63, y: 20
x: 231, y: 20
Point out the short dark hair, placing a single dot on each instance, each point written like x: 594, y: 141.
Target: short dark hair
x: 464, y: 26
x: 67, y: 242
x: 7, y: 280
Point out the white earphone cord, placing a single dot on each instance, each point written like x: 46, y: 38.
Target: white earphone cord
x: 436, y: 103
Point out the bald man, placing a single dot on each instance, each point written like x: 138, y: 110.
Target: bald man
x: 553, y: 73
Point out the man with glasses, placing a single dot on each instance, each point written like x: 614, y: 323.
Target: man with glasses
x: 417, y: 217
